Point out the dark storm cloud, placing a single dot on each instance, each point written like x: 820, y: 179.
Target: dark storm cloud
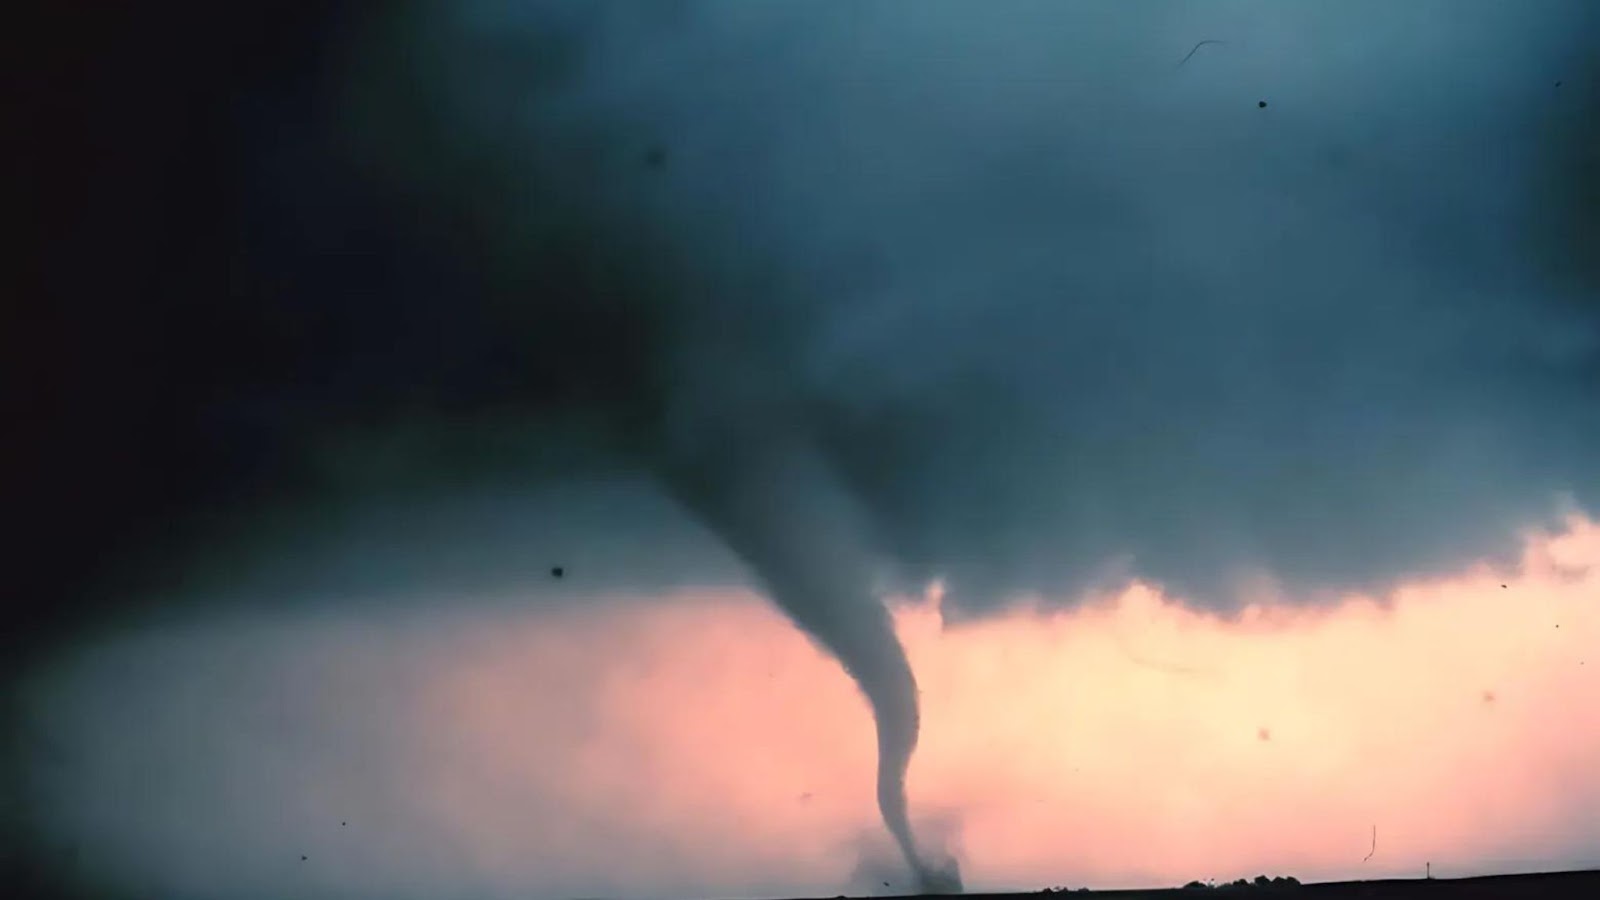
x: 1054, y: 311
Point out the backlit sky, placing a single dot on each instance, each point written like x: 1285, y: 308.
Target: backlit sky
x: 697, y: 745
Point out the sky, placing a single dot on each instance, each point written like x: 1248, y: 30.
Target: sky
x: 1034, y: 382
x: 697, y: 745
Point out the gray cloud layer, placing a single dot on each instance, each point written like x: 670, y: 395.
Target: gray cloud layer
x: 1055, y: 309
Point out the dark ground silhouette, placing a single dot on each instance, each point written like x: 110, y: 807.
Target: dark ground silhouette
x: 1543, y: 884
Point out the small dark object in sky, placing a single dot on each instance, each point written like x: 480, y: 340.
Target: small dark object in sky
x: 655, y: 157
x: 1558, y: 84
x: 302, y: 858
x: 1261, y: 104
x: 557, y: 571
x: 342, y: 823
x: 1488, y: 696
x: 1263, y: 734
x: 886, y: 884
x: 1502, y: 585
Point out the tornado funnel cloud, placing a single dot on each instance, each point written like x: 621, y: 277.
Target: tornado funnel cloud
x: 856, y: 628
x: 778, y: 510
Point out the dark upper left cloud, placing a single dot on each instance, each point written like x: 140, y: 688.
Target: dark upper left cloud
x: 211, y: 284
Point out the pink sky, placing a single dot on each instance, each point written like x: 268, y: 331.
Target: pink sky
x: 699, y: 745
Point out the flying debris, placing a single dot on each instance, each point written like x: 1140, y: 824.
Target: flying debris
x: 1195, y: 48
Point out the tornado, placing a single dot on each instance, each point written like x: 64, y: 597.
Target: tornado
x: 774, y: 503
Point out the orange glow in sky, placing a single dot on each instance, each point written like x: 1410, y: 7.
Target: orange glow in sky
x: 699, y: 745
x: 1130, y: 742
